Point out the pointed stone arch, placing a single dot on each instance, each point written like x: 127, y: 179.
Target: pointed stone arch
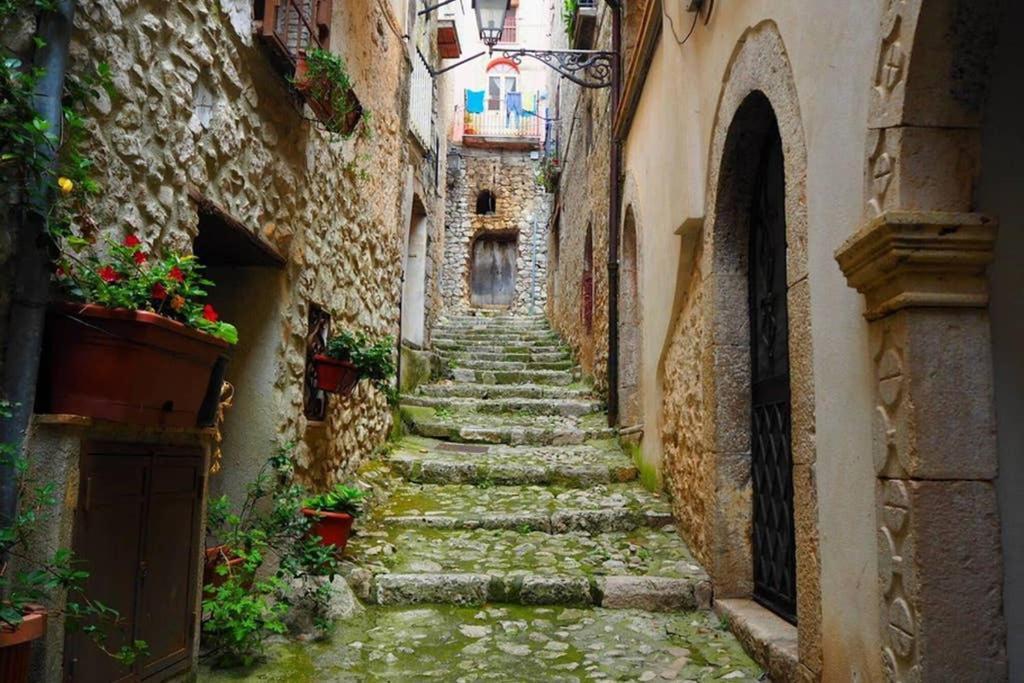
x: 630, y: 325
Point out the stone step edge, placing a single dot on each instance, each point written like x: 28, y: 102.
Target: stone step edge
x: 438, y: 470
x: 608, y: 520
x: 511, y: 436
x: 647, y: 593
x: 563, y: 407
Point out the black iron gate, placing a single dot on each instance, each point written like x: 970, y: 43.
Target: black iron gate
x: 772, y: 458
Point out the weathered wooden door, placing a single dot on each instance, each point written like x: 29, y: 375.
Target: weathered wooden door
x: 493, y: 277
x: 771, y: 454
x: 136, y: 533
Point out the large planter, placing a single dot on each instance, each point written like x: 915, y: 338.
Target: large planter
x: 335, y: 376
x: 321, y: 104
x: 16, y: 646
x: 216, y: 557
x: 333, y: 528
x: 126, y: 366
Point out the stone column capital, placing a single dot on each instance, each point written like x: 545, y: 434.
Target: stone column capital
x: 904, y: 259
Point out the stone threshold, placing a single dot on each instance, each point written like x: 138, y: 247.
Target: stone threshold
x: 770, y: 640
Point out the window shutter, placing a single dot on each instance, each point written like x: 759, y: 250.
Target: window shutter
x: 287, y: 24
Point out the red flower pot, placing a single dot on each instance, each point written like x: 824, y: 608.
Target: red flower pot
x: 16, y: 646
x: 126, y: 366
x: 333, y: 528
x: 215, y: 557
x: 335, y: 376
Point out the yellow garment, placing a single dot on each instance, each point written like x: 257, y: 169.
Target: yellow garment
x: 530, y: 101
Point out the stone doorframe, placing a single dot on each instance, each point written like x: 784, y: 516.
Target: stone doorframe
x: 920, y: 260
x: 759, y: 68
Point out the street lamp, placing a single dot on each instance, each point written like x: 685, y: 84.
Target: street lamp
x: 490, y: 18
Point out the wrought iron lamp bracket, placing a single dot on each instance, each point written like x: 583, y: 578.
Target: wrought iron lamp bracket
x: 586, y: 68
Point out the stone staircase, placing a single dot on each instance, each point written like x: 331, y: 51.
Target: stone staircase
x: 514, y: 521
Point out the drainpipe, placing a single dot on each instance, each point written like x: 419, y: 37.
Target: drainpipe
x: 32, y: 256
x: 615, y: 152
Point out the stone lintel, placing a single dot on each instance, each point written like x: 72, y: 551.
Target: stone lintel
x: 904, y: 259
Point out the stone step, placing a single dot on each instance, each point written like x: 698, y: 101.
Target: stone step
x: 649, y: 569
x: 492, y: 326
x: 427, y: 461
x: 507, y: 365
x: 507, y: 428
x: 600, y: 508
x: 451, y: 344
x: 552, y: 377
x: 568, y: 407
x: 501, y: 336
x: 522, y: 356
x: 498, y: 391
x: 507, y: 643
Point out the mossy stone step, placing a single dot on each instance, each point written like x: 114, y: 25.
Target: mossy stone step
x: 426, y: 461
x: 560, y: 378
x: 521, y: 356
x: 498, y: 391
x: 568, y: 407
x: 510, y: 365
x: 500, y: 337
x: 506, y: 428
x: 599, y: 508
x: 508, y: 643
x: 512, y: 346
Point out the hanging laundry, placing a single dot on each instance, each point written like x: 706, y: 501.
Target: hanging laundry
x: 513, y: 106
x: 475, y: 101
x: 530, y: 103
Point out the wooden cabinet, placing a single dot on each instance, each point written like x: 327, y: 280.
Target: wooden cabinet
x: 137, y: 534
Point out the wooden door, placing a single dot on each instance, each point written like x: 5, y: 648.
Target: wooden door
x: 493, y: 279
x: 136, y: 533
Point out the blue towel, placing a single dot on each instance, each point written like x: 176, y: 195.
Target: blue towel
x: 475, y: 101
x: 514, y: 102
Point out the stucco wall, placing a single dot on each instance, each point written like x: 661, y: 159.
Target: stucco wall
x: 521, y: 207
x: 199, y: 102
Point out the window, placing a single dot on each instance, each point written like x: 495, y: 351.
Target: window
x: 508, y: 31
x: 292, y: 26
x: 486, y: 203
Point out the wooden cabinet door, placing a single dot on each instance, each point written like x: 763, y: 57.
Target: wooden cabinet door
x: 136, y: 533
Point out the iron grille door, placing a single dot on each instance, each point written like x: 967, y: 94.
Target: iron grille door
x: 771, y: 453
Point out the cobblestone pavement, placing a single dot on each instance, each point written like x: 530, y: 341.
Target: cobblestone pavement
x: 511, y: 541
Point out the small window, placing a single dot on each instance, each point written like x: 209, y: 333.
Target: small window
x: 485, y: 203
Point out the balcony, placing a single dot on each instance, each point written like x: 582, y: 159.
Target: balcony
x: 502, y: 130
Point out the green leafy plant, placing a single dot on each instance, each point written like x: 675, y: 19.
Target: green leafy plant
x: 129, y: 277
x: 323, y: 77
x: 245, y: 609
x: 569, y: 8
x: 374, y: 359
x: 30, y: 581
x: 341, y: 498
x: 548, y: 173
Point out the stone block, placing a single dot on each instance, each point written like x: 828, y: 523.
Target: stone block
x: 410, y: 589
x: 555, y: 590
x: 941, y: 581
x: 652, y: 593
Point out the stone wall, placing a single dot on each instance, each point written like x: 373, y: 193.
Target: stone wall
x: 584, y: 139
x: 522, y: 207
x: 200, y: 103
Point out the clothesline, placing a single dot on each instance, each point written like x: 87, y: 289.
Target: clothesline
x: 515, y: 102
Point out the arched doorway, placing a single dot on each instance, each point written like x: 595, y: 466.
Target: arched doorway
x: 415, y: 283
x: 629, y: 326
x: 493, y: 269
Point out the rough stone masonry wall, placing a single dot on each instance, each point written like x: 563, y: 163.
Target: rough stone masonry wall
x: 522, y: 206
x: 200, y: 103
x: 584, y: 202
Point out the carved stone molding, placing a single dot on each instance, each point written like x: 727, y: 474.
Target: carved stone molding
x: 905, y: 259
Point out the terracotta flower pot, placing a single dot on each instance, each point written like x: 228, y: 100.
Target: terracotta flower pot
x: 335, y: 376
x: 333, y: 528
x: 16, y: 645
x: 126, y: 366
x: 216, y: 557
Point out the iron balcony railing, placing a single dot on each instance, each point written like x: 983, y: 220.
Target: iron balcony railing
x: 504, y: 124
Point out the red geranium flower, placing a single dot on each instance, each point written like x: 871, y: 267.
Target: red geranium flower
x: 132, y: 241
x: 108, y: 274
x: 159, y: 292
x: 176, y: 274
x: 209, y: 313
x: 61, y: 272
x: 140, y: 257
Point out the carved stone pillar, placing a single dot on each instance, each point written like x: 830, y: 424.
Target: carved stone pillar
x: 923, y: 278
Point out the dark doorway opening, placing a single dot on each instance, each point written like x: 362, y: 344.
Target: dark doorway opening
x: 774, y: 538
x: 493, y: 272
x: 486, y: 203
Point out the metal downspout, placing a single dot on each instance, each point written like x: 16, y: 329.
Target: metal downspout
x: 615, y: 153
x: 32, y: 256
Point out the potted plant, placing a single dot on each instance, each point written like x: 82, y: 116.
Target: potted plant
x: 352, y: 356
x: 332, y: 514
x: 322, y: 78
x: 30, y: 584
x: 134, y: 341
